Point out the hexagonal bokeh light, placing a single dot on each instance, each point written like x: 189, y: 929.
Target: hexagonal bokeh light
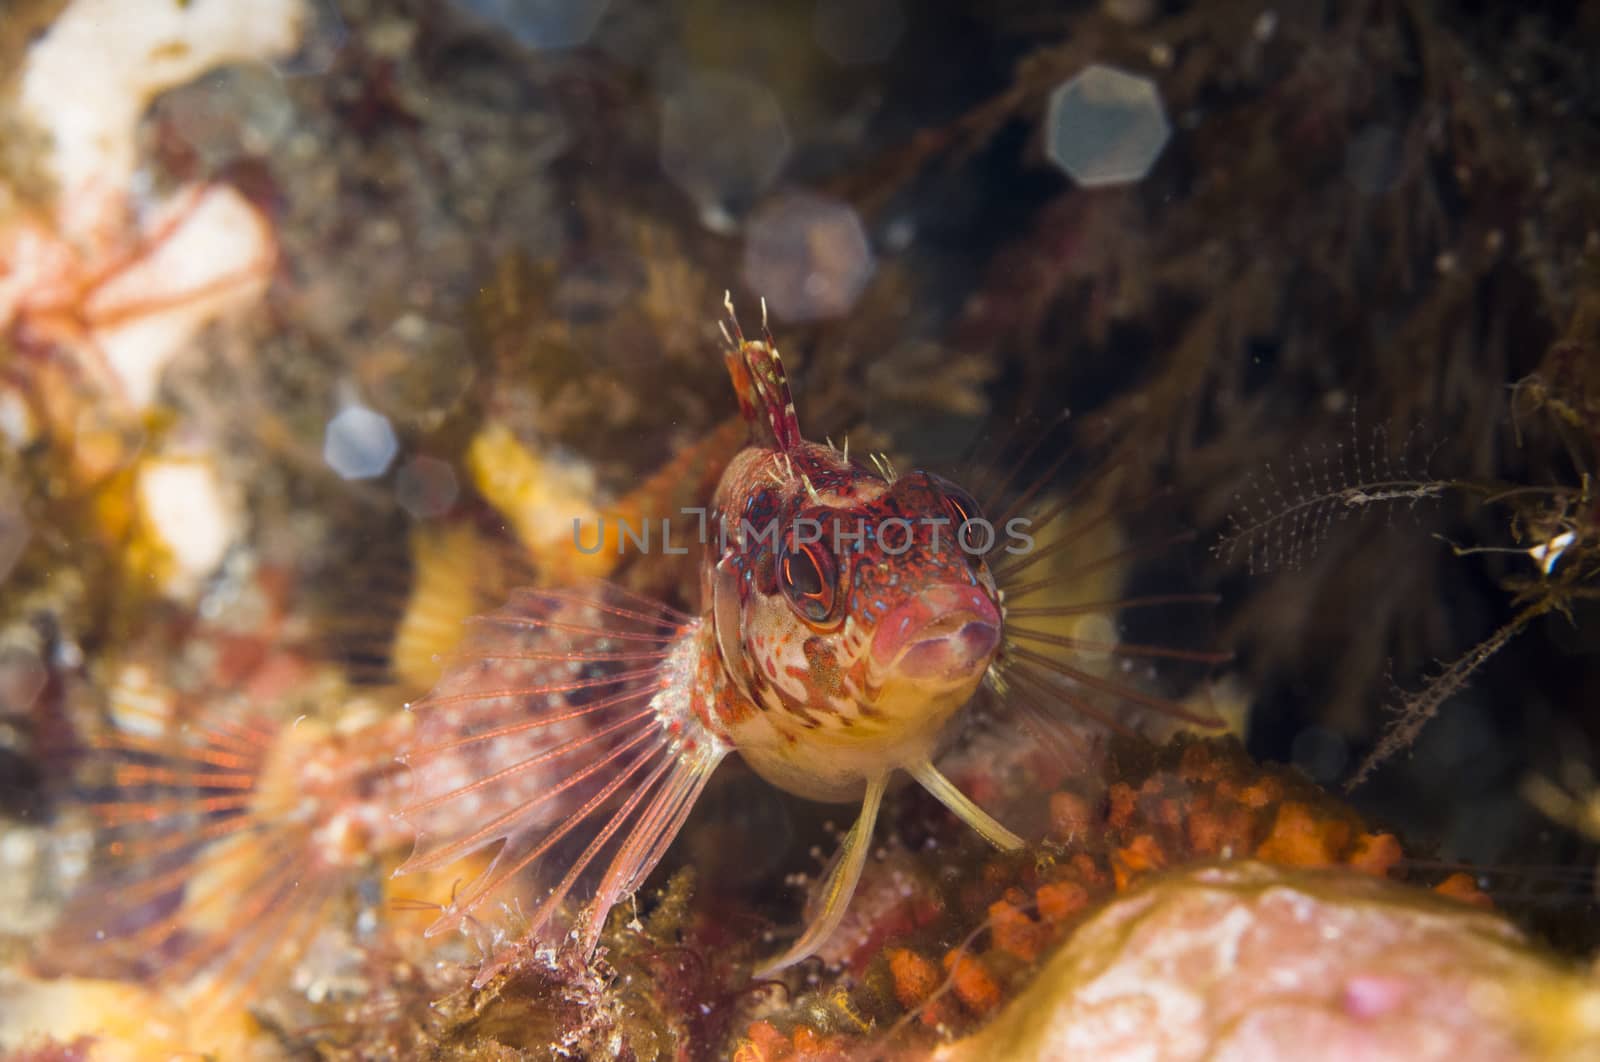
x: 723, y: 139
x: 359, y: 443
x: 542, y: 23
x: 426, y: 487
x: 807, y: 255
x: 1106, y: 127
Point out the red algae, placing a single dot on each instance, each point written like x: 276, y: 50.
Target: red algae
x: 766, y: 1044
x: 1461, y: 886
x: 1016, y: 932
x: 1193, y: 802
x: 1376, y: 853
x: 1298, y: 839
x: 915, y: 976
x: 974, y: 983
x: 1060, y: 900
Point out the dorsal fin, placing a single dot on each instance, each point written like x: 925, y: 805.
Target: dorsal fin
x: 760, y: 382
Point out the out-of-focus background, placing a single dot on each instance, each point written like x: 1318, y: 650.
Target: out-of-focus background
x: 308, y: 304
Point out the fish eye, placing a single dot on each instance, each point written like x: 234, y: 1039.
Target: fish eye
x: 960, y: 504
x: 807, y: 573
x: 963, y: 506
x: 963, y: 509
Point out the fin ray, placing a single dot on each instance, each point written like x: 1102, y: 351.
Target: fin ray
x: 839, y: 885
x: 562, y: 739
x: 963, y: 807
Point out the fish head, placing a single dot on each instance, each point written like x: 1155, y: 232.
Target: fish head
x: 852, y: 595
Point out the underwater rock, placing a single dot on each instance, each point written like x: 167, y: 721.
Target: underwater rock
x: 117, y: 57
x: 207, y: 250
x: 191, y: 513
x: 1250, y: 961
x: 1234, y: 297
x: 109, y: 1021
x: 943, y: 937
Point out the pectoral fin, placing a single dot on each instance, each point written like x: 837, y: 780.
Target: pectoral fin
x: 945, y: 791
x: 840, y: 884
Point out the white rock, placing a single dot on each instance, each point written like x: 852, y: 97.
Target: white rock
x: 189, y: 510
x: 89, y: 79
x: 154, y: 274
x: 218, y: 260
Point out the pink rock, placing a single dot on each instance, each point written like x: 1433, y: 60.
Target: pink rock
x: 1247, y: 961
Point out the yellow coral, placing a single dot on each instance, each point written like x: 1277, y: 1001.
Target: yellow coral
x: 128, y: 1023
x: 447, y: 563
x: 540, y: 498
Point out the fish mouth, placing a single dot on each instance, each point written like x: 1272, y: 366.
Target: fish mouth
x: 945, y: 634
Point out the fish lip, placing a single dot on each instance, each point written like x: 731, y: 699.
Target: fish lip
x: 955, y: 654
x: 949, y: 623
x: 956, y: 629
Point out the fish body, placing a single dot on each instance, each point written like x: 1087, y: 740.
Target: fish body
x: 847, y: 614
x: 226, y: 842
x: 841, y: 627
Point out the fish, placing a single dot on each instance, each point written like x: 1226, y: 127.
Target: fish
x: 239, y: 797
x: 847, y: 615
x: 226, y: 840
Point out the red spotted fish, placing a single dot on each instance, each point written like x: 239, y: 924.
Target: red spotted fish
x: 847, y: 615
